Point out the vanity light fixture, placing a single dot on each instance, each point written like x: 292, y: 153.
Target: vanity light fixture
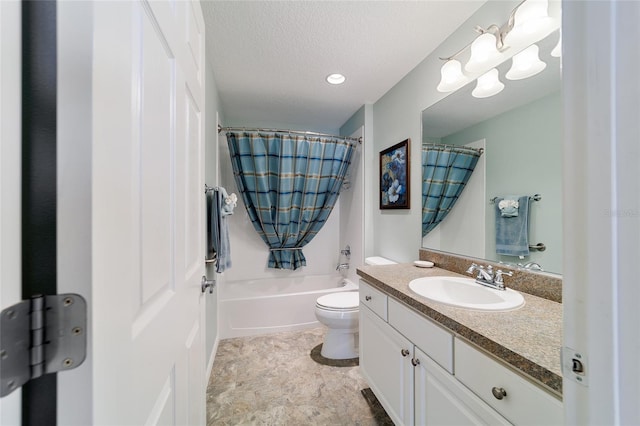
x: 526, y: 64
x: 452, y: 76
x: 528, y: 23
x: 531, y: 21
x: 488, y: 84
x: 484, y: 54
x: 335, y: 78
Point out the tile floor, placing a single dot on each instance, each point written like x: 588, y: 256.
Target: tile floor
x: 272, y: 380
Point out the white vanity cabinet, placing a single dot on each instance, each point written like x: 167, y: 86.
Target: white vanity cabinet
x: 385, y: 363
x: 410, y: 385
x: 409, y: 362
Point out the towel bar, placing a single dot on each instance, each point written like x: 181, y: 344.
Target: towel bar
x: 539, y: 247
x: 535, y: 197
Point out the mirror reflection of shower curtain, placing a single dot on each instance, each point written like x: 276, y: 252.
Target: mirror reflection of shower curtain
x: 445, y: 171
x: 289, y: 185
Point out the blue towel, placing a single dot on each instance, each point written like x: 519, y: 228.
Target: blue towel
x: 512, y: 232
x: 219, y: 230
x: 210, y: 251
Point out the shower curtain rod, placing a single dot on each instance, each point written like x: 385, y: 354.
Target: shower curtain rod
x: 444, y: 145
x: 300, y: 132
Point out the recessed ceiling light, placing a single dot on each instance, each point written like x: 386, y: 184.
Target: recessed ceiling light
x: 335, y: 79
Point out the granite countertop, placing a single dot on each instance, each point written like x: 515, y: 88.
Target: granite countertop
x: 528, y: 339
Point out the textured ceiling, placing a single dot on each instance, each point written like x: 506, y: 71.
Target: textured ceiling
x: 270, y: 58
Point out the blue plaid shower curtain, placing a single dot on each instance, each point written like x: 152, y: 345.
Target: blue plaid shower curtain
x: 289, y: 185
x: 445, y: 172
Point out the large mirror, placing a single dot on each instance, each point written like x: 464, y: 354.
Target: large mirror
x: 520, y: 130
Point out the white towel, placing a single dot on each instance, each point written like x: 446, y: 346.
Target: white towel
x: 509, y: 207
x: 229, y: 202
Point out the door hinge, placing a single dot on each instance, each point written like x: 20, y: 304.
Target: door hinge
x: 46, y: 334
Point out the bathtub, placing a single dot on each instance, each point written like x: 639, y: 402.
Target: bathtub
x: 249, y: 308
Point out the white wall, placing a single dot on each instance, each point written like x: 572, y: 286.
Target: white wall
x: 363, y: 118
x: 352, y: 210
x: 213, y: 114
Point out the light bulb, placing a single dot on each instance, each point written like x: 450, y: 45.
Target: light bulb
x: 488, y: 85
x: 335, y: 79
x: 526, y: 64
x: 531, y: 23
x: 484, y: 54
x: 452, y: 76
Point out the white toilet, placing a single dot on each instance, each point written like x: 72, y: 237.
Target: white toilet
x: 339, y: 312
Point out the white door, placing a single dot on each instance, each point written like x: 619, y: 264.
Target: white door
x: 130, y: 174
x: 147, y: 214
x: 148, y: 211
x: 10, y: 288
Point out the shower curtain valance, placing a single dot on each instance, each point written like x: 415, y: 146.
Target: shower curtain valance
x: 289, y: 185
x: 446, y: 169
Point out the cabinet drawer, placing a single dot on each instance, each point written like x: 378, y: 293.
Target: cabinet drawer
x: 435, y: 341
x: 524, y: 403
x: 374, y: 299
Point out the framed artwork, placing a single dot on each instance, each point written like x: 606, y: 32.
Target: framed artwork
x: 395, y: 176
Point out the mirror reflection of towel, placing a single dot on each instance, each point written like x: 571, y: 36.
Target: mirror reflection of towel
x: 512, y: 232
x: 228, y: 202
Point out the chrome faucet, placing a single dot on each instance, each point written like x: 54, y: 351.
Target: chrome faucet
x: 498, y: 280
x: 346, y: 252
x: 342, y: 266
x: 487, y: 277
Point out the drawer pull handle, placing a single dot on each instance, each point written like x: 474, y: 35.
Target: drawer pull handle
x: 367, y: 298
x: 498, y: 393
x: 415, y: 362
x: 404, y: 352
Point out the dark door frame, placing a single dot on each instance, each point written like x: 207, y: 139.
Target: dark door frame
x: 39, y: 170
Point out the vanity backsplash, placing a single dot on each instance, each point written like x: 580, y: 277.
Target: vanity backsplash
x: 536, y: 283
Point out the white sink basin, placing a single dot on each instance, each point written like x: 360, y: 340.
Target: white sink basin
x: 466, y: 293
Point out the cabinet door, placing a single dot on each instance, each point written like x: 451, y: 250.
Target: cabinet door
x: 441, y: 400
x: 524, y: 403
x: 385, y: 363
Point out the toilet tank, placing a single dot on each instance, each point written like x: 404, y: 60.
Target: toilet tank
x: 378, y: 260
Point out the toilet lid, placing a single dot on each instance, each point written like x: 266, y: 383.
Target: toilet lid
x: 341, y: 300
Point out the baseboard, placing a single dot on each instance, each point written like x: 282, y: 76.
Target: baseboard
x: 212, y: 358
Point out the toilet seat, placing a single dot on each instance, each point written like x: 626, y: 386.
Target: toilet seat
x: 344, y: 301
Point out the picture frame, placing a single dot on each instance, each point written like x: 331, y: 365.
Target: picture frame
x: 395, y: 176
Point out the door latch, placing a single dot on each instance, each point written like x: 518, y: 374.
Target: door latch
x: 574, y: 366
x: 43, y: 335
